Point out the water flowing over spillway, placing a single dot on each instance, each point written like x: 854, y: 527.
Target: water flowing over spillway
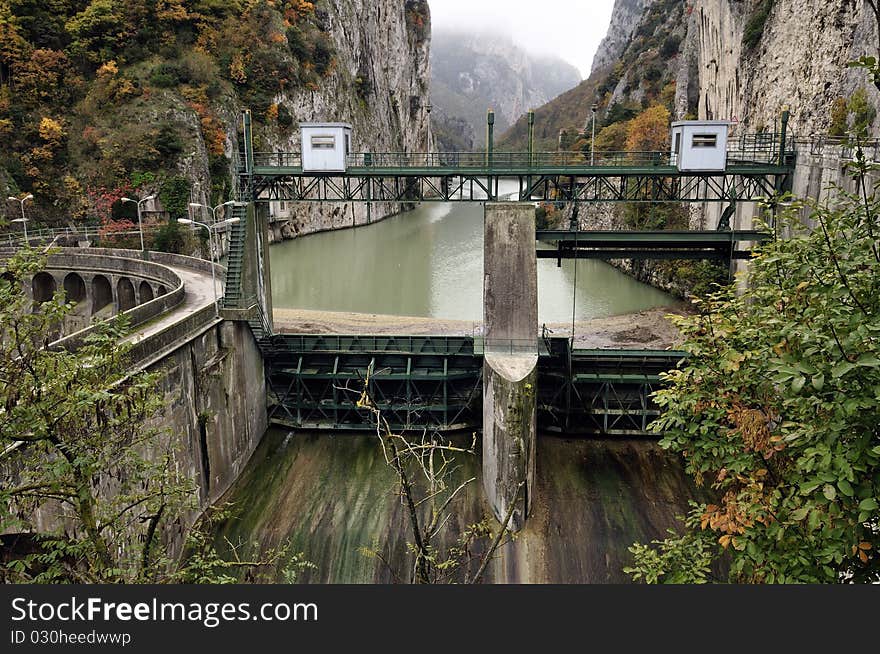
x: 331, y: 495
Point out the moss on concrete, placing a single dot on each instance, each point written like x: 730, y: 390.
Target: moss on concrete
x: 332, y: 494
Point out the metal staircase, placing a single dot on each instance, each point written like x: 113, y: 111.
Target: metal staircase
x: 232, y: 298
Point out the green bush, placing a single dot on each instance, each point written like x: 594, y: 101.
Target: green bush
x: 171, y: 237
x: 175, y: 194
x: 755, y: 26
x: 167, y: 142
x: 322, y: 55
x: 285, y: 118
x: 670, y: 46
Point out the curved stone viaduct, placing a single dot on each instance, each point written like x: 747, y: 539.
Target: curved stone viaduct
x: 176, y: 330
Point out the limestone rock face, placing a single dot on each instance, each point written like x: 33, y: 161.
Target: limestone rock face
x: 385, y: 44
x: 796, y: 56
x: 625, y: 19
x: 798, y: 60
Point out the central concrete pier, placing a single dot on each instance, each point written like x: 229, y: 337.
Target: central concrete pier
x: 510, y: 317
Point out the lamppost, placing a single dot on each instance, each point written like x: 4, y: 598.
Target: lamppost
x: 210, y: 228
x: 22, y: 220
x: 213, y: 210
x: 140, y: 223
x: 594, y: 109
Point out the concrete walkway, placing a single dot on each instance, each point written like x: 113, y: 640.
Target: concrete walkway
x: 198, y: 298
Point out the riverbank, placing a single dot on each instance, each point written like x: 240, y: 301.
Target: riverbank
x: 649, y: 330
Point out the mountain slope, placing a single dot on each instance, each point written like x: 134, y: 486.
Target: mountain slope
x: 641, y: 72
x: 475, y: 72
x: 101, y: 99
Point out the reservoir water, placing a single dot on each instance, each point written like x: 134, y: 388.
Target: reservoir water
x: 429, y: 263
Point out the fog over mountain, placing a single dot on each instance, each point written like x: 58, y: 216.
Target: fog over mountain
x: 474, y: 71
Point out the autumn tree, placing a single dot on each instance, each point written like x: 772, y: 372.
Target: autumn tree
x: 776, y: 408
x: 612, y: 138
x: 649, y: 131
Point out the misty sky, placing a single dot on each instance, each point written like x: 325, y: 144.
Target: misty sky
x: 570, y: 29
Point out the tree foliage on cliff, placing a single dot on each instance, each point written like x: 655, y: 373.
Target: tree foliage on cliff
x: 84, y: 64
x: 776, y: 409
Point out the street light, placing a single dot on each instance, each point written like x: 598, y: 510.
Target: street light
x: 140, y: 224
x: 213, y: 210
x: 594, y: 109
x: 210, y: 228
x: 22, y: 220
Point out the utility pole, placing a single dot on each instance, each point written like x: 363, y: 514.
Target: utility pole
x: 140, y: 222
x: 594, y: 109
x: 531, y: 137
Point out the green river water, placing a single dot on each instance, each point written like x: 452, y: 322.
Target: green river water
x: 429, y: 263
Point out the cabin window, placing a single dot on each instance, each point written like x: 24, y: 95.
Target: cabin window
x: 347, y: 145
x: 705, y: 141
x: 323, y: 142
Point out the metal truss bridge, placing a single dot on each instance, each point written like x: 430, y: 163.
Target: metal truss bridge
x: 541, y: 177
x: 435, y: 383
x: 693, y: 244
x: 758, y: 166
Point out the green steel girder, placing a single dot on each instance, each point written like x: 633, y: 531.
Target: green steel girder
x: 567, y: 184
x: 602, y: 392
x: 417, y: 382
x: 648, y: 244
x: 443, y: 345
x: 317, y: 381
x: 647, y: 239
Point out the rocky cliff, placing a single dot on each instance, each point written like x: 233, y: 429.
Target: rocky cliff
x: 380, y: 85
x: 718, y: 59
x: 625, y: 18
x: 473, y: 72
x: 105, y: 100
x: 752, y: 58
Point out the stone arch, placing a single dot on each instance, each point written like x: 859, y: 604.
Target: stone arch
x: 125, y: 294
x: 162, y: 291
x: 74, y: 288
x: 43, y: 287
x: 102, y: 293
x: 146, y: 292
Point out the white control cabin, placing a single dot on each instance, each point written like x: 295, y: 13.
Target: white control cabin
x: 325, y: 147
x: 700, y: 145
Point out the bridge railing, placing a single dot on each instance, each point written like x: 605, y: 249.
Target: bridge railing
x: 277, y: 160
x: 45, y: 235
x: 755, y: 152
x: 848, y: 147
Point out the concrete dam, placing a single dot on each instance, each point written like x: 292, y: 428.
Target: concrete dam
x: 264, y: 418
